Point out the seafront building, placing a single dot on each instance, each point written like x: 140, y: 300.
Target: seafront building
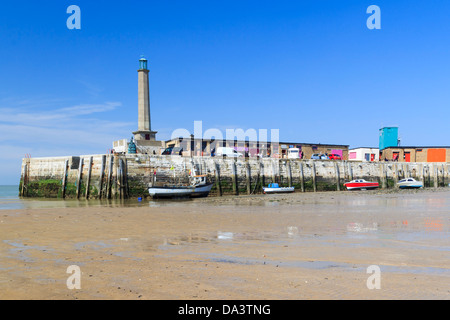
x: 365, y: 154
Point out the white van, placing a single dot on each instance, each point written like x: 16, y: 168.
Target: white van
x: 228, y: 152
x: 293, y: 153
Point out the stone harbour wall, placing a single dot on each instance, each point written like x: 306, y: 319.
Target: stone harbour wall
x: 127, y: 176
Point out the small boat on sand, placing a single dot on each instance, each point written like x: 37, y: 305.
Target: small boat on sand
x: 361, y: 184
x: 199, y: 187
x: 409, y: 183
x: 275, y: 188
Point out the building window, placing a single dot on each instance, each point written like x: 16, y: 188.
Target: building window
x: 395, y: 156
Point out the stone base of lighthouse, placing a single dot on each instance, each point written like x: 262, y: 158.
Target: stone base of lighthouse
x: 145, y: 135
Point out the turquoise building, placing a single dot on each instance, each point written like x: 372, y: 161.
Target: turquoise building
x: 388, y: 137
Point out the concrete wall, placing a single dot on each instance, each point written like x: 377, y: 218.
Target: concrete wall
x: 127, y: 176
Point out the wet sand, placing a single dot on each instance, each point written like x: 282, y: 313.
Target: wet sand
x: 282, y: 247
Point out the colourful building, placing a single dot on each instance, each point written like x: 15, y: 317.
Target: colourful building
x: 388, y: 137
x: 364, y: 154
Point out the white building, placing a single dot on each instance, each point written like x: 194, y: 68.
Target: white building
x: 364, y: 154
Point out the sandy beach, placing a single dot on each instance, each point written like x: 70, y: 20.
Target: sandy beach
x: 282, y: 247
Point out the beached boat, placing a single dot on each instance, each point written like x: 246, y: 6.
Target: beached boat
x: 361, y: 184
x: 275, y: 188
x: 199, y: 187
x: 409, y: 183
x: 170, y: 191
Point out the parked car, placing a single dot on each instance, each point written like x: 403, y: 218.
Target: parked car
x: 293, y: 153
x: 319, y: 156
x: 334, y: 157
x: 228, y: 152
x: 172, y: 151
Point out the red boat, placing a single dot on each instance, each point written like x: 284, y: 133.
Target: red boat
x: 361, y: 184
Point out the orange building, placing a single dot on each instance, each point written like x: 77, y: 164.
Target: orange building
x: 416, y: 154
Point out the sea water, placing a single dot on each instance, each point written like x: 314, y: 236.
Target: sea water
x: 10, y: 200
x: 9, y: 197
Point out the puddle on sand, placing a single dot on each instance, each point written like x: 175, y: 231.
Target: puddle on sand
x: 21, y: 250
x: 320, y: 265
x: 219, y: 237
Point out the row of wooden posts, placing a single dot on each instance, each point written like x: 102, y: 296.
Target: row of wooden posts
x: 274, y: 177
x: 110, y: 185
x: 425, y: 174
x: 106, y: 190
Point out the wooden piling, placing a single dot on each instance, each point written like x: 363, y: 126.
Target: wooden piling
x: 248, y: 178
x: 273, y: 172
x: 88, y: 180
x: 395, y: 167
x: 381, y: 172
x: 108, y: 182
x: 80, y: 172
x: 235, y: 179
x: 383, y: 177
x: 24, y: 180
x: 102, y: 173
x: 302, y: 177
x: 435, y: 176
x: 445, y: 175
x: 217, y: 176
x: 350, y: 171
x: 423, y: 175
x: 313, y: 173
x: 121, y: 179
x: 448, y: 175
x: 125, y: 178
x: 115, y: 177
x: 289, y: 172
x: 262, y: 173
x: 338, y: 178
x: 64, y: 179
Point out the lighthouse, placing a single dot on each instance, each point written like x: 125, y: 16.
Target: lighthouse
x: 144, y: 139
x: 144, y: 131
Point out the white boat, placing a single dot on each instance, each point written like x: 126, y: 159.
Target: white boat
x: 199, y: 187
x: 275, y: 188
x: 409, y: 183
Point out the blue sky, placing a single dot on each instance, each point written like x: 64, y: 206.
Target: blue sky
x: 309, y: 68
